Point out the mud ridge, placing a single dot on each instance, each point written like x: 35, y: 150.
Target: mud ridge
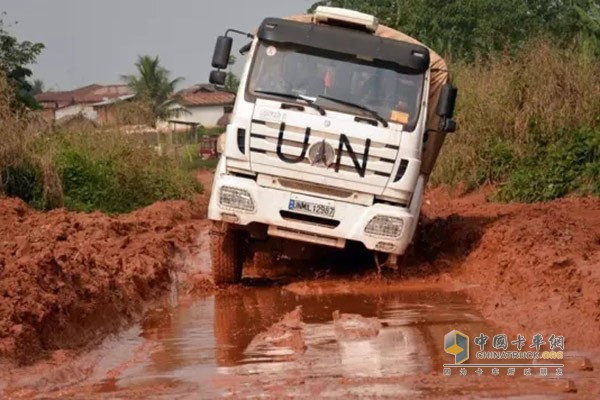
x: 529, y: 268
x: 67, y: 279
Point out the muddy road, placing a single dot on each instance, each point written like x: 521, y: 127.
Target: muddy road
x: 332, y: 340
x: 333, y: 329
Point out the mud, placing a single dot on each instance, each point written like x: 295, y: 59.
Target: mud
x: 338, y: 330
x: 350, y: 327
x: 528, y: 268
x: 67, y: 279
x: 228, y: 344
x: 284, y: 339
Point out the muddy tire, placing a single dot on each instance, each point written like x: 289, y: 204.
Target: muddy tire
x: 225, y: 249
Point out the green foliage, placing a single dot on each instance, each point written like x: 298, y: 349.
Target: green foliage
x: 114, y: 174
x: 37, y: 87
x: 466, y: 29
x: 495, y: 163
x: 22, y: 180
x: 191, y: 160
x: 154, y: 85
x: 90, y: 170
x: 516, y: 115
x: 571, y: 164
x: 15, y: 56
x: 232, y: 82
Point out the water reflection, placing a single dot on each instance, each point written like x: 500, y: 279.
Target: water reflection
x: 194, y: 344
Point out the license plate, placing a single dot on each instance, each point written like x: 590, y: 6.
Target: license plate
x: 312, y: 206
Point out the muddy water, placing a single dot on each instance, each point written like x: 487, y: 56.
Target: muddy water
x: 206, y: 345
x: 221, y: 346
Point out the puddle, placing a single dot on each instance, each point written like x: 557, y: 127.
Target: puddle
x: 201, y: 343
x: 222, y: 345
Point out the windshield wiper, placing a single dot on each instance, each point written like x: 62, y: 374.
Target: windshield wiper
x: 308, y: 102
x: 373, y: 113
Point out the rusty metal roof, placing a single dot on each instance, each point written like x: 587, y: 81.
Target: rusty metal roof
x: 87, y: 94
x: 204, y: 95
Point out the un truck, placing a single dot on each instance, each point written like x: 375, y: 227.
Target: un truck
x: 336, y: 127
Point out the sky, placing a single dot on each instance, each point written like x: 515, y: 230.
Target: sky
x: 97, y: 41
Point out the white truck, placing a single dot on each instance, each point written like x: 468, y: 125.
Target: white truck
x: 336, y: 126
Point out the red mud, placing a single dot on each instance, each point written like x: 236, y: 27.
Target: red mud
x: 530, y: 268
x: 287, y: 333
x: 354, y: 326
x: 67, y: 278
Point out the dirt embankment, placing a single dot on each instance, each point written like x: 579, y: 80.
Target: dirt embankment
x: 67, y: 279
x: 529, y: 268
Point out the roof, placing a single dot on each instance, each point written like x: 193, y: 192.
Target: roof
x: 204, y: 95
x: 87, y: 94
x: 113, y: 100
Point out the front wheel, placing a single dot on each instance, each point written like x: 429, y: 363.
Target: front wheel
x: 225, y: 254
x: 388, y: 261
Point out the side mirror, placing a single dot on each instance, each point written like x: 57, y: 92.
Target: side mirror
x: 218, y: 77
x: 222, y: 52
x: 445, y: 108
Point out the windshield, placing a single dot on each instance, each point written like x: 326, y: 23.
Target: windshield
x: 295, y: 71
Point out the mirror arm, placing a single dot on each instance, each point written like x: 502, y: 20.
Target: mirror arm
x: 251, y: 36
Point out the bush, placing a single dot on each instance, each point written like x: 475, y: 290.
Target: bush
x: 571, y: 164
x: 114, y: 173
x: 83, y: 170
x: 513, y: 115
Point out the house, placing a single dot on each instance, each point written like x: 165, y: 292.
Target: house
x: 200, y: 105
x: 87, y: 101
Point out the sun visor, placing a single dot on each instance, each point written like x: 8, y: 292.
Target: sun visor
x: 410, y: 56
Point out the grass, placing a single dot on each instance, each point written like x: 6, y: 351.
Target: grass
x: 83, y: 170
x: 528, y: 123
x: 109, y: 172
x: 518, y: 116
x: 190, y: 159
x: 569, y: 164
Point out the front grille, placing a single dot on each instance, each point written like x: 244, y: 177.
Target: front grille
x: 310, y: 219
x: 313, y: 188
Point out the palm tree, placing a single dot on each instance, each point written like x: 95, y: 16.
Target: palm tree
x: 153, y: 84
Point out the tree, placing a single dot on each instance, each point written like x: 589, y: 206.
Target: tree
x: 37, y: 87
x: 15, y: 56
x: 154, y: 85
x: 232, y: 82
x: 467, y: 28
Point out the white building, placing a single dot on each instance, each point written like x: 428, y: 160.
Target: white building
x: 200, y: 105
x: 64, y: 105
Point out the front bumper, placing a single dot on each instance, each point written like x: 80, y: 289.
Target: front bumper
x: 353, y: 218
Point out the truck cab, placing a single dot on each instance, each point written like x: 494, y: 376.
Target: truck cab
x: 327, y: 138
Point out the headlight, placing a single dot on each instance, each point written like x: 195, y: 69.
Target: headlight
x: 384, y: 226
x: 237, y: 199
